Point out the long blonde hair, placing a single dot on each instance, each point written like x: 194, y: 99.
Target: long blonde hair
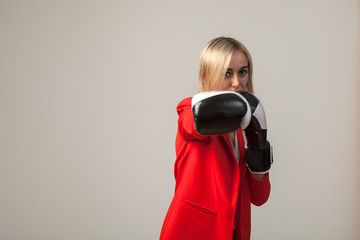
x: 215, y: 59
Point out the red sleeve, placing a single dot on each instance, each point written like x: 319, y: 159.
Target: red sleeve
x: 259, y: 190
x: 186, y: 126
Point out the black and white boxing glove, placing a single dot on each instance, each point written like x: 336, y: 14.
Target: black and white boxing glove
x: 259, y: 151
x: 220, y: 112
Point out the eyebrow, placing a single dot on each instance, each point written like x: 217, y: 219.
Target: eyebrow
x: 240, y: 68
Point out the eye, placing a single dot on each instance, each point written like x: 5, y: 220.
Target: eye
x: 228, y: 74
x: 243, y: 72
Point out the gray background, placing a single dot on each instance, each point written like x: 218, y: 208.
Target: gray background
x: 88, y: 91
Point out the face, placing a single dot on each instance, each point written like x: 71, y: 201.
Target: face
x: 236, y: 76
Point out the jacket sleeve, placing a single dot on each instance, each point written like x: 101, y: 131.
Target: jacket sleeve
x: 259, y: 190
x: 186, y: 126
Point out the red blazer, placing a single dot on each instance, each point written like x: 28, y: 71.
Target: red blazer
x: 212, y: 192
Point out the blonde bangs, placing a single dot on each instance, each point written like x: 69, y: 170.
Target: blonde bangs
x: 213, y: 65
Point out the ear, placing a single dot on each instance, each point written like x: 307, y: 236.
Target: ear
x: 200, y: 73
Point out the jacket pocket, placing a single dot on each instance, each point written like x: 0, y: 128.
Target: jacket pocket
x: 200, y: 208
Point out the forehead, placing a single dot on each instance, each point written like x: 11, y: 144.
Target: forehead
x: 238, y: 60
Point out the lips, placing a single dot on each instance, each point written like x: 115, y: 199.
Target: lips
x: 240, y: 91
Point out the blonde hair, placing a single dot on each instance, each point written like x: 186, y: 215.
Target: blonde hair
x: 215, y: 59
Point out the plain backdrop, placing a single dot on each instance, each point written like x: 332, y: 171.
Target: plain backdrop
x: 88, y: 91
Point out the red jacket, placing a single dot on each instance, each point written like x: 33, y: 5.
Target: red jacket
x: 212, y: 192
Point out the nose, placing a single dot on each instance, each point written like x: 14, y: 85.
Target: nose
x: 235, y: 81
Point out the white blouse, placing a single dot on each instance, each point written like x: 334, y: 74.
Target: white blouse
x: 235, y: 147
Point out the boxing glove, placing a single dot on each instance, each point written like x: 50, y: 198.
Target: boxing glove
x: 220, y: 112
x: 259, y: 151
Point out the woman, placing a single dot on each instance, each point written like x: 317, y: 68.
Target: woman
x: 214, y: 187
